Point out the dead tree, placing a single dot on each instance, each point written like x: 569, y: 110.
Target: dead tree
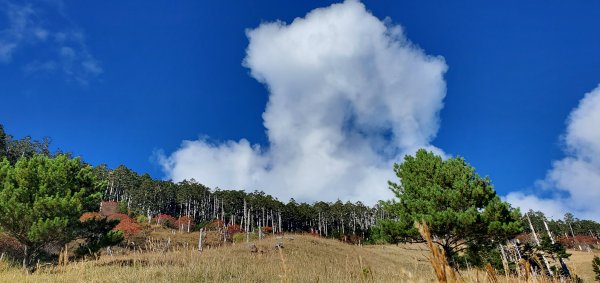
x: 538, y: 244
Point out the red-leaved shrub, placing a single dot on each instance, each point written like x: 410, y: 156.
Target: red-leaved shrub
x: 216, y: 224
x: 571, y: 242
x: 232, y: 229
x: 165, y: 220
x: 127, y: 225
x: 183, y: 222
x: 90, y: 215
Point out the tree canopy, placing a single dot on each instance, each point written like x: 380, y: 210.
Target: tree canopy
x: 41, y: 200
x: 461, y: 208
x: 42, y: 195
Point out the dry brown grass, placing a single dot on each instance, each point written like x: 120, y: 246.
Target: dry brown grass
x: 437, y: 257
x: 580, y: 263
x: 303, y: 259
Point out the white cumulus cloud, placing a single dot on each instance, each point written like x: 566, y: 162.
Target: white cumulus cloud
x: 573, y: 183
x: 349, y: 95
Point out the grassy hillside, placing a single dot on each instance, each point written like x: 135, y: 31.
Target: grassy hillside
x: 303, y: 259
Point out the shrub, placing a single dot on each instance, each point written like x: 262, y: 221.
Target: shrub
x: 183, y: 222
x: 216, y: 224
x: 141, y: 218
x: 126, y: 225
x: 233, y: 229
x: 90, y: 215
x: 99, y: 232
x: 122, y: 207
x: 596, y: 266
x: 238, y: 237
x: 165, y: 220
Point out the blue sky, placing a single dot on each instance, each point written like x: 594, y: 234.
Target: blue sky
x: 129, y: 79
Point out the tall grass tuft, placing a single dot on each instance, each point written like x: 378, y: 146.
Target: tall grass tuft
x: 437, y: 257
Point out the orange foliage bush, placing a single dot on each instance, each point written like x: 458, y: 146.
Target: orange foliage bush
x: 89, y: 215
x: 183, y: 222
x: 567, y: 241
x: 120, y: 216
x: 523, y: 237
x: 214, y: 225
x: 571, y: 242
x: 232, y: 229
x: 128, y: 225
x: 165, y: 220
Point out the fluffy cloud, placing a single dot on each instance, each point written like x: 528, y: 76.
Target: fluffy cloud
x: 573, y: 183
x: 25, y: 28
x: 349, y: 96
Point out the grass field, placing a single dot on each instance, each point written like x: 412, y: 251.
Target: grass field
x: 303, y: 259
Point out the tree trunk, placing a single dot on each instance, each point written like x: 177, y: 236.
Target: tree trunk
x: 29, y: 256
x: 280, y: 230
x: 25, y: 258
x: 200, y: 240
x: 449, y: 254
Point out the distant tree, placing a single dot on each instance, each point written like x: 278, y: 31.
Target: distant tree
x: 13, y: 149
x: 555, y: 249
x: 587, y: 227
x: 41, y: 200
x: 388, y: 231
x: 3, y: 143
x: 26, y: 147
x: 569, y: 217
x: 461, y: 208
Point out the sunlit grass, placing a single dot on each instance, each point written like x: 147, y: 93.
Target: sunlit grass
x: 307, y: 259
x: 303, y: 259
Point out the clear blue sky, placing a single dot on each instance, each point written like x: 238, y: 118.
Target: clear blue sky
x: 163, y: 71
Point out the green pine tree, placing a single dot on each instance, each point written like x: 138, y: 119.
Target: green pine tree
x: 3, y: 143
x: 461, y: 208
x: 41, y: 200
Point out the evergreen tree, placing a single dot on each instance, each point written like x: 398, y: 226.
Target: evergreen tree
x: 96, y: 233
x: 41, y: 200
x: 3, y: 143
x: 460, y: 208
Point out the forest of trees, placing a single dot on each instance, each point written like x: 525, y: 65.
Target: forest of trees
x: 466, y: 217
x: 565, y: 228
x: 141, y: 195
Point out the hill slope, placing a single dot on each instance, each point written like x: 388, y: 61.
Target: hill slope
x: 303, y: 259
